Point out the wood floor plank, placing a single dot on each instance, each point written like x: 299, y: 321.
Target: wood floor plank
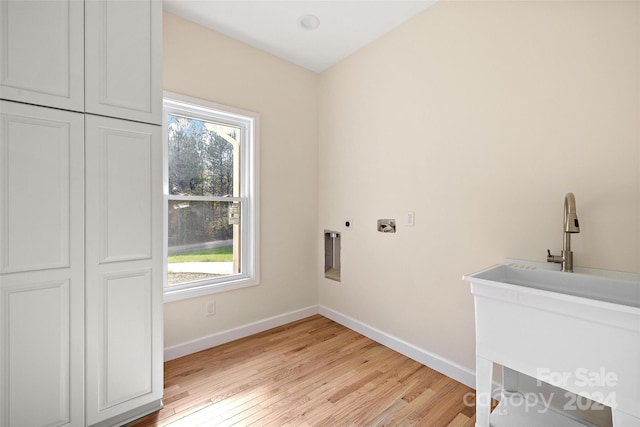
x: 312, y: 372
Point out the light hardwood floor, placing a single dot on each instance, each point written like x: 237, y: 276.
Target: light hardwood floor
x: 313, y: 372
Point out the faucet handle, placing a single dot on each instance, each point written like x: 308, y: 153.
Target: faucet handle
x: 554, y: 258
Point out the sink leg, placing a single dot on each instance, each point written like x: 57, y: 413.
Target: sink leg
x: 509, y: 380
x: 622, y: 419
x: 484, y: 375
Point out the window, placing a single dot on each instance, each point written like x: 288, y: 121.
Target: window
x: 211, y: 197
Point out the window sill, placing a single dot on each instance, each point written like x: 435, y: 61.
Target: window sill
x: 213, y: 288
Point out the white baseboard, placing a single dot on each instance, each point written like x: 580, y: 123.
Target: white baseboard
x: 433, y: 361
x: 223, y: 337
x: 440, y: 364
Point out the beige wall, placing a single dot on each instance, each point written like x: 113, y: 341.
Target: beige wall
x: 204, y: 64
x: 478, y: 116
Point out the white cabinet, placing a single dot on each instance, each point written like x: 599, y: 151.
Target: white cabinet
x: 42, y: 52
x: 41, y: 266
x: 121, y: 57
x: 80, y: 211
x: 96, y: 56
x: 123, y: 262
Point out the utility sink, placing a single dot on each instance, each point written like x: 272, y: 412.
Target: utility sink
x: 600, y: 285
x: 578, y: 331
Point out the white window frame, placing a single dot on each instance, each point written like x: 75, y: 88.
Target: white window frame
x: 249, y: 123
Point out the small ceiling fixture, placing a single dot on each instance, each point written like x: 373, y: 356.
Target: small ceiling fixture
x: 309, y: 22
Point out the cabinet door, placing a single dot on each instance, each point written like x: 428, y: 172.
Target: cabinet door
x: 124, y: 267
x: 42, y: 52
x: 124, y: 59
x: 41, y: 266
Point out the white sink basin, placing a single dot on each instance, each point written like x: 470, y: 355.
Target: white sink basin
x: 602, y: 285
x: 556, y: 327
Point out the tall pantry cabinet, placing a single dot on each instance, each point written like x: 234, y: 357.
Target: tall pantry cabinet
x: 80, y: 211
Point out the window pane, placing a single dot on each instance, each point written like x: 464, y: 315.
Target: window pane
x: 204, y: 239
x: 203, y: 157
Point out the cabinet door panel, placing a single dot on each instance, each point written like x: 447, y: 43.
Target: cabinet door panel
x: 125, y: 182
x: 42, y: 52
x: 123, y: 59
x: 38, y: 361
x: 127, y: 334
x: 123, y: 262
x: 41, y: 266
x: 36, y: 186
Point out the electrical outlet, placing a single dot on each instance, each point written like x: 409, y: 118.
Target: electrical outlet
x: 210, y: 308
x: 410, y: 219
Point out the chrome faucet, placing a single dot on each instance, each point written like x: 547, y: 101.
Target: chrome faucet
x: 570, y: 225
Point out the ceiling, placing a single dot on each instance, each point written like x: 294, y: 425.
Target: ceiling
x: 272, y: 25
